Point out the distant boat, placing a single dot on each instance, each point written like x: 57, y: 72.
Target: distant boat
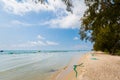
x: 39, y: 51
x: 1, y: 51
x: 11, y: 53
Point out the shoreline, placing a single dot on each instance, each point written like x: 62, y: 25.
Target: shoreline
x: 95, y: 66
x: 62, y: 73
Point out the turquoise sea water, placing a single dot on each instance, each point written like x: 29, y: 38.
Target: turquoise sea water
x: 33, y: 64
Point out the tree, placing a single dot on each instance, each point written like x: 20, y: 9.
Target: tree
x: 106, y: 40
x: 101, y: 24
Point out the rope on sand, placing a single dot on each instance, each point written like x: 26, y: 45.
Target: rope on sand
x: 75, y: 67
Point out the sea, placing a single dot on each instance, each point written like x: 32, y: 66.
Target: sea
x: 34, y: 64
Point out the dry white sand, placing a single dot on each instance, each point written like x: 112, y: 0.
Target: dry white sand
x: 98, y: 67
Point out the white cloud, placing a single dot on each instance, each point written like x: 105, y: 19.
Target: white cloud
x: 51, y: 43
x: 75, y: 38
x: 70, y: 21
x: 40, y: 42
x: 20, y: 8
x: 79, y: 7
x: 37, y: 43
x: 64, y: 19
x: 16, y: 22
x: 40, y: 37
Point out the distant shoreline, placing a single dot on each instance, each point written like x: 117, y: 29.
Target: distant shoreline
x: 38, y: 51
x: 95, y: 66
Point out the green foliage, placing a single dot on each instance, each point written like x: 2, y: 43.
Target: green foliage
x: 68, y: 3
x: 101, y: 24
x: 106, y: 40
x: 118, y: 53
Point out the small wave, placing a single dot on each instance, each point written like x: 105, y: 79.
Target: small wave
x: 14, y: 61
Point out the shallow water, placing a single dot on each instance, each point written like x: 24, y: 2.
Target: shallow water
x: 33, y: 66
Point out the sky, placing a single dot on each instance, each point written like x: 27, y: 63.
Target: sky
x: 26, y: 25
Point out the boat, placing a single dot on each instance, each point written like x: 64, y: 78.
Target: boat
x: 1, y: 51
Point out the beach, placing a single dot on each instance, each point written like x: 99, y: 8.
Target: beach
x: 92, y: 66
x: 83, y: 65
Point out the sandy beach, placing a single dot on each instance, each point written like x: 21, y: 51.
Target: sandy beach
x: 92, y: 66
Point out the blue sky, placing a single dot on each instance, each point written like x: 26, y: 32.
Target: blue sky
x: 28, y: 25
